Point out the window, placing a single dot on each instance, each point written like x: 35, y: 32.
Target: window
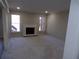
x: 15, y: 23
x: 42, y: 23
x: 40, y: 26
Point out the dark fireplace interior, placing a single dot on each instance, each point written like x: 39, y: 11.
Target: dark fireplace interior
x: 30, y: 30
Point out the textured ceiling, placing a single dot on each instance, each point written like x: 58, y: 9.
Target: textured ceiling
x: 39, y: 5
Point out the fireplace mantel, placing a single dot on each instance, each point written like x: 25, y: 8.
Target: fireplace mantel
x: 29, y: 26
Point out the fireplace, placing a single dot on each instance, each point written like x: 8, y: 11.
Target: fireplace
x: 30, y: 30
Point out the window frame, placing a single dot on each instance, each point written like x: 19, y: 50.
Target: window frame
x: 16, y: 23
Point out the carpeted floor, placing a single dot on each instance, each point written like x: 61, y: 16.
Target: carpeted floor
x: 38, y: 47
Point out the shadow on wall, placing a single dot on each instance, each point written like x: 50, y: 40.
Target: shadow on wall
x: 1, y: 34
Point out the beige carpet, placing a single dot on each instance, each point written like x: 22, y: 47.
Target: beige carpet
x: 38, y: 47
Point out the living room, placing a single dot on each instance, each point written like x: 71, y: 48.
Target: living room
x: 36, y: 29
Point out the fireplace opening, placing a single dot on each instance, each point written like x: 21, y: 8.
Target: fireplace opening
x: 30, y: 30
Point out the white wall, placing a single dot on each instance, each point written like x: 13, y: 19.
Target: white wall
x: 71, y: 50
x: 5, y: 27
x: 57, y: 24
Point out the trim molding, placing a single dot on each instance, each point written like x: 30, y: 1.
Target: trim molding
x: 3, y: 5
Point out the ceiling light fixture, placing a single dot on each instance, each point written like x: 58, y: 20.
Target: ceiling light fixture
x: 46, y: 12
x: 18, y: 7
